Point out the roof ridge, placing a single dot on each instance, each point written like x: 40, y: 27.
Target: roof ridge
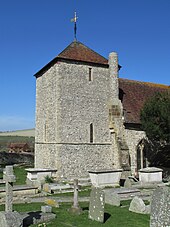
x: 146, y: 83
x: 78, y: 42
x: 80, y: 52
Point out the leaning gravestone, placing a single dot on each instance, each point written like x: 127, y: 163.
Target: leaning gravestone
x: 96, y: 206
x: 128, y: 183
x: 160, y: 208
x: 112, y: 198
x: 138, y: 206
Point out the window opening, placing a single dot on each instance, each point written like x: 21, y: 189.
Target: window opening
x: 90, y: 74
x: 91, y: 133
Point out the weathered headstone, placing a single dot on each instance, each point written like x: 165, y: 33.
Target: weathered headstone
x: 112, y: 198
x: 138, y: 206
x: 96, y: 206
x: 46, y: 209
x: 76, y: 209
x: 10, y: 219
x: 160, y: 208
x: 128, y: 183
x: 9, y: 179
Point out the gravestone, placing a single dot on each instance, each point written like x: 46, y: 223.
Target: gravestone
x: 9, y: 179
x: 96, y: 206
x: 138, y: 206
x: 76, y: 209
x: 46, y: 209
x: 112, y: 198
x: 160, y: 208
x: 128, y: 183
x: 8, y: 218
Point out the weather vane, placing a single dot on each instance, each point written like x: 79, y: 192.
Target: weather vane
x: 75, y: 25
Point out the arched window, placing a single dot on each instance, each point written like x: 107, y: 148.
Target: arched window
x: 141, y: 155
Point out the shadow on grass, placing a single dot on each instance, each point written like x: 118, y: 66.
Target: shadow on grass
x: 106, y: 216
x: 30, y: 217
x: 85, y: 208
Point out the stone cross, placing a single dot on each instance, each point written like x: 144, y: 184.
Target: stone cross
x: 76, y: 189
x: 9, y: 179
x: 75, y: 208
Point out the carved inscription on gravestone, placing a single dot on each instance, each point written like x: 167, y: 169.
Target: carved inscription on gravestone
x: 96, y: 206
x: 160, y: 208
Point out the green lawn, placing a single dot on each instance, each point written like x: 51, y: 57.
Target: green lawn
x: 20, y: 174
x: 114, y: 216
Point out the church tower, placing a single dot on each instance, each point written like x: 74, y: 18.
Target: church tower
x: 75, y: 95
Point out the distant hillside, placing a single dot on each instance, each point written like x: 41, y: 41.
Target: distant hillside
x: 27, y: 133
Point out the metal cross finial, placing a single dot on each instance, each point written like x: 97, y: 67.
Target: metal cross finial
x: 75, y: 25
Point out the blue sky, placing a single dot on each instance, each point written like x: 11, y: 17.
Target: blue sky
x: 33, y: 32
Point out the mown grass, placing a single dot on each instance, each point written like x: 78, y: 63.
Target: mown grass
x: 20, y: 174
x: 114, y: 216
x: 82, y: 193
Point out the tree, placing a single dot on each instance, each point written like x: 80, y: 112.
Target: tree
x: 155, y: 119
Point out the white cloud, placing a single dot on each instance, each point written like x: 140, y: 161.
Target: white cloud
x: 10, y: 123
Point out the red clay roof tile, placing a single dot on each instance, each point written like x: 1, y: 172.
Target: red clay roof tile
x: 79, y: 52
x: 135, y: 93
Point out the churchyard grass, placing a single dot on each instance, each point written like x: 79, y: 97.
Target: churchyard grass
x: 83, y: 193
x: 114, y: 216
x: 20, y: 174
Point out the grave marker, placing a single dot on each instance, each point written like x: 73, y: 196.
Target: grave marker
x: 160, y: 208
x: 96, y: 207
x: 112, y: 198
x: 137, y: 205
x: 76, y: 209
x: 9, y: 179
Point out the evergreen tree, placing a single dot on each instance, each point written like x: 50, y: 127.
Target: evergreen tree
x: 155, y: 119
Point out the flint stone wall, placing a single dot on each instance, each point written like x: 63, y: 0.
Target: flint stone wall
x: 133, y: 138
x: 67, y: 103
x: 75, y: 160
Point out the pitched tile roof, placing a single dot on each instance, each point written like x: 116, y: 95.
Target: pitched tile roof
x: 76, y: 51
x: 135, y: 93
x: 79, y: 52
